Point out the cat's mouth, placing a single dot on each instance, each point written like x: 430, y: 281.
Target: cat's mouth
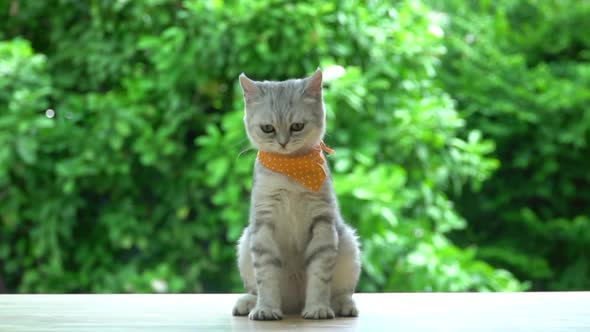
x: 286, y: 149
x: 294, y: 152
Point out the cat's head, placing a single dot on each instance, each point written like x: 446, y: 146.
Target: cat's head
x: 285, y: 117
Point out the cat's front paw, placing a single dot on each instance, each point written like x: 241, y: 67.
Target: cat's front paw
x: 317, y: 311
x: 265, y: 313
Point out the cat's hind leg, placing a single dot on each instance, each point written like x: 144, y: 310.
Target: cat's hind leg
x: 246, y: 302
x: 344, y: 306
x: 244, y: 305
x: 346, y: 273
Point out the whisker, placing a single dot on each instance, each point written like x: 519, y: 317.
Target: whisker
x: 243, y: 140
x: 249, y: 148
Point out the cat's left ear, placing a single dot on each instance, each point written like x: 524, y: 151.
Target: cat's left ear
x: 249, y: 88
x: 313, y: 85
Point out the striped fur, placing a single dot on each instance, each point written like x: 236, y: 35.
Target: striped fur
x: 297, y: 254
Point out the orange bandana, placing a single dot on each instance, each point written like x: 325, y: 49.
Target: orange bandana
x: 309, y: 169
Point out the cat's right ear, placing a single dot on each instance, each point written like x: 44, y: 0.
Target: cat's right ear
x: 249, y: 88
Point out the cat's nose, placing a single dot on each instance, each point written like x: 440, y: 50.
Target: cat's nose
x: 283, y: 141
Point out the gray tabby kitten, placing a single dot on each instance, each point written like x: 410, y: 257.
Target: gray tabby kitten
x: 297, y: 255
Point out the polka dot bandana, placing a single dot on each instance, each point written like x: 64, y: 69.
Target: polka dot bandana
x: 309, y: 169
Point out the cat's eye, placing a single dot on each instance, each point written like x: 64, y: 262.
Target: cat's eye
x: 297, y: 126
x: 267, y: 128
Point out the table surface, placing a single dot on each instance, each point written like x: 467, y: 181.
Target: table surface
x: 401, y: 312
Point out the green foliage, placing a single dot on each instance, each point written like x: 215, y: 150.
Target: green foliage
x: 520, y: 72
x: 141, y: 181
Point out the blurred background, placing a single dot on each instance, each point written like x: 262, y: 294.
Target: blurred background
x: 461, y: 128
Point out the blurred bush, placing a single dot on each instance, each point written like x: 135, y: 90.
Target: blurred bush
x: 140, y: 182
x: 520, y: 72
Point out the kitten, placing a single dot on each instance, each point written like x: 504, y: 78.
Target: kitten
x: 297, y: 255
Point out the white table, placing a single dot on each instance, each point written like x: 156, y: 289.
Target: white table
x: 378, y: 312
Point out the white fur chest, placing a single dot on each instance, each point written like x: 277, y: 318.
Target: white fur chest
x: 293, y: 207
